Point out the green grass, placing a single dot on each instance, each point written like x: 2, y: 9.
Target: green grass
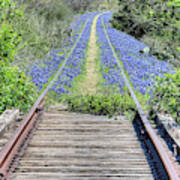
x: 44, y: 27
x: 97, y: 104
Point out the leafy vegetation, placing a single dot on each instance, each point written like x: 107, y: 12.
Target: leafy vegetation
x: 45, y: 27
x: 81, y: 6
x: 10, y: 36
x: 29, y: 30
x: 15, y: 88
x: 166, y: 97
x: 99, y: 104
x: 108, y: 5
x: 154, y: 22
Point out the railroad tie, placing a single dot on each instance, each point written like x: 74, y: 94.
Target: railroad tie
x: 70, y: 146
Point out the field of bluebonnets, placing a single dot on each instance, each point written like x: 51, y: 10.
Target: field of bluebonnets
x: 144, y: 72
x: 43, y: 70
x: 141, y: 69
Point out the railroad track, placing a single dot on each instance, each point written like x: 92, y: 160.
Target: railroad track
x: 62, y: 145
x: 75, y: 146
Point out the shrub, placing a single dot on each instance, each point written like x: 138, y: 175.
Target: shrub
x: 154, y: 22
x: 100, y: 104
x: 15, y: 89
x: 166, y: 98
x: 79, y: 6
x: 45, y: 27
x: 10, y: 35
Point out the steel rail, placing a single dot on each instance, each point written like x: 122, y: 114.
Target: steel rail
x: 173, y: 174
x: 11, y: 150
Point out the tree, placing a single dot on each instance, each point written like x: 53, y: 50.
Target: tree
x: 155, y: 22
x: 79, y: 6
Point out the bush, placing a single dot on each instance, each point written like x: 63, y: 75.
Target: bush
x: 45, y: 27
x: 81, y: 6
x: 155, y: 22
x: 15, y: 89
x: 166, y: 98
x: 100, y: 104
x: 10, y: 36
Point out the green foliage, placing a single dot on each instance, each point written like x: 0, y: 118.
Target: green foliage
x: 166, y: 98
x: 81, y: 6
x: 45, y: 27
x: 108, y: 5
x: 10, y: 36
x: 155, y: 22
x: 175, y: 3
x: 100, y: 104
x: 15, y: 89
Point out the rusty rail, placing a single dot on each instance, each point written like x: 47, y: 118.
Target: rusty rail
x: 17, y: 143
x: 170, y: 169
x: 10, y: 154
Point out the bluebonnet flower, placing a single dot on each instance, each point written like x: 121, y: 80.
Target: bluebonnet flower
x: 141, y: 68
x: 42, y: 70
x: 76, y: 62
x: 109, y: 69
